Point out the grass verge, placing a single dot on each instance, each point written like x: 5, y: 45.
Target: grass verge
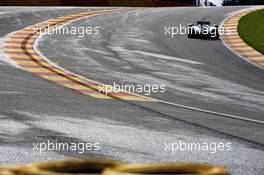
x: 251, y: 29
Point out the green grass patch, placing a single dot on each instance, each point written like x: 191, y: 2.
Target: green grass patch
x: 251, y: 29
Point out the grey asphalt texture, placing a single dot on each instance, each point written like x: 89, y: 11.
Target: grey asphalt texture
x: 35, y: 110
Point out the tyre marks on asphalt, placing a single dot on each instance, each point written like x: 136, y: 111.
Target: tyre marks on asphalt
x: 235, y: 43
x: 20, y: 48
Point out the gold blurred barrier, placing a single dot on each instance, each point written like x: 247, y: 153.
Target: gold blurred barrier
x: 68, y: 167
x: 93, y: 167
x: 166, y: 168
x: 9, y: 170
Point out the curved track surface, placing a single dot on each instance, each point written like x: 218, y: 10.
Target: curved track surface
x: 132, y: 48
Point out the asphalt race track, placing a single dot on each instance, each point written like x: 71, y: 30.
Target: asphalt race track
x: 133, y: 48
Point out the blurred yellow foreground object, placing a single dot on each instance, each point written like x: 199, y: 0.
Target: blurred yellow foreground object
x: 9, y: 170
x: 94, y: 167
x: 68, y: 167
x: 166, y: 168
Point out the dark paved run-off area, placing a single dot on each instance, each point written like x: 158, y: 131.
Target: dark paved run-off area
x: 198, y: 73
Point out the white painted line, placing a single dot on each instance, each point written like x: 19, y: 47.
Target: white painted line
x: 212, y: 112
